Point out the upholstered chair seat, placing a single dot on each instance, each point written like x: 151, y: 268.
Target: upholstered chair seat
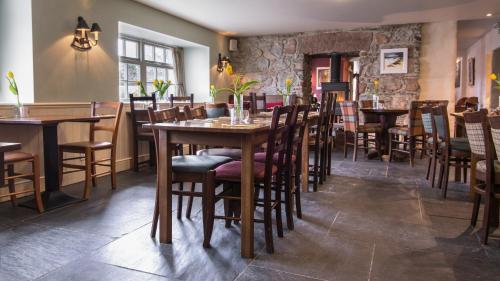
x: 231, y: 171
x: 197, y: 164
x: 233, y: 153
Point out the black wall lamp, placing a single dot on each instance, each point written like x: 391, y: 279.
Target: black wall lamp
x: 222, y: 63
x: 81, y: 40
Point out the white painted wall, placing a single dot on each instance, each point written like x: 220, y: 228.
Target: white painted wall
x: 197, y: 75
x: 437, y: 62
x: 16, y: 49
x: 482, y: 51
x: 62, y: 74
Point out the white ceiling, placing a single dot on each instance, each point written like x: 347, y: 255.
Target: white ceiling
x: 256, y: 17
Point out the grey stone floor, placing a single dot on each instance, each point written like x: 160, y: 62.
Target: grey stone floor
x: 369, y: 221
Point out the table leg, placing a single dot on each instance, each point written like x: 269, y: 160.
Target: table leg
x: 305, y: 160
x: 247, y: 197
x: 53, y: 197
x: 165, y: 187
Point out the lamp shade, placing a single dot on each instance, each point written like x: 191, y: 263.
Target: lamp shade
x: 82, y: 24
x: 95, y: 28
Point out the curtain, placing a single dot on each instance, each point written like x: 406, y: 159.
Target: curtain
x: 179, y: 71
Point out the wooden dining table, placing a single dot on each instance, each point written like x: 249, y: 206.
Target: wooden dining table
x: 52, y: 197
x: 387, y: 118
x: 6, y: 147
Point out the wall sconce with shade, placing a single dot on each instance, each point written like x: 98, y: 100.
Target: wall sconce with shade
x: 222, y: 63
x: 82, y: 41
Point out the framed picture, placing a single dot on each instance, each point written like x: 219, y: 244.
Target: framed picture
x: 394, y: 61
x: 458, y: 73
x: 471, y: 71
x: 322, y: 76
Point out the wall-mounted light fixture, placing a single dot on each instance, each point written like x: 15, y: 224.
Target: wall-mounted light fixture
x: 222, y: 63
x: 81, y: 40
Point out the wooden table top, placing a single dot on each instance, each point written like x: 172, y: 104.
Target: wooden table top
x: 219, y: 125
x: 9, y: 146
x: 52, y: 119
x: 385, y: 110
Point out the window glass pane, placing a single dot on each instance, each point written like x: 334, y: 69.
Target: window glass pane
x: 120, y: 47
x: 134, y: 72
x: 133, y: 89
x: 123, y: 71
x: 159, y: 54
x: 169, y: 56
x: 161, y: 74
x: 131, y: 49
x: 148, y: 53
x: 123, y: 90
x: 150, y: 73
x: 150, y: 88
x: 171, y: 76
x: 172, y: 90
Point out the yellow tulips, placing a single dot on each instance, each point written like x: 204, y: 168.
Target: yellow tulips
x: 13, y: 86
x: 10, y: 75
x: 493, y: 76
x: 229, y: 69
x: 156, y: 83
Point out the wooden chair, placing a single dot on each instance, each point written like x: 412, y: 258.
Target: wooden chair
x: 184, y: 99
x: 194, y: 169
x: 9, y: 162
x: 247, y: 102
x: 460, y: 104
x: 450, y: 151
x: 317, y: 140
x: 273, y: 100
x: 366, y: 103
x: 90, y: 147
x: 258, y: 102
x: 216, y: 110
x: 301, y: 125
x: 330, y: 136
x: 486, y: 179
x: 138, y: 118
x: 352, y: 126
x: 195, y: 113
x: 229, y: 174
x: 412, y: 134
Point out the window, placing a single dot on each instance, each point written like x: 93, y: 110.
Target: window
x: 144, y: 61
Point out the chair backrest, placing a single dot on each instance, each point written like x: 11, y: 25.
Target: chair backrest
x: 195, y: 113
x: 476, y: 125
x: 295, y: 100
x: 106, y: 107
x: 140, y: 116
x: 161, y: 116
x: 427, y: 119
x: 300, y: 126
x: 258, y: 102
x: 350, y: 115
x: 472, y: 103
x: 441, y: 125
x: 216, y: 110
x: 495, y: 131
x: 415, y: 123
x: 330, y: 118
x: 189, y: 99
x: 273, y: 100
x: 278, y: 138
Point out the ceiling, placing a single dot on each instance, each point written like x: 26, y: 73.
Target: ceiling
x: 258, y: 17
x: 469, y: 31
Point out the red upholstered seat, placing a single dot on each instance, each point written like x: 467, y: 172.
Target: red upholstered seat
x: 261, y: 157
x: 232, y: 171
x: 271, y: 105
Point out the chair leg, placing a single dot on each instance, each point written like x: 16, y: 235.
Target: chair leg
x: 412, y: 150
x: 365, y: 142
x: 446, y: 176
x: 288, y: 200
x: 298, y: 206
x: 345, y: 144
x: 11, y: 183
x: 475, y: 209
x: 434, y: 166
x: 429, y: 163
x: 179, y: 201
x: 35, y: 167
x: 228, y: 211
x: 156, y: 215
x: 322, y: 164
x: 60, y: 166
x: 378, y: 147
x: 329, y: 158
x: 190, y: 201
x: 486, y: 217
x: 152, y: 154
x: 268, y: 221
x: 93, y: 169
x: 208, y: 202
x: 316, y: 168
x: 391, y: 138
x: 277, y: 199
x: 355, y: 154
x: 88, y: 174
x: 135, y: 156
x: 465, y: 170
x: 113, y: 168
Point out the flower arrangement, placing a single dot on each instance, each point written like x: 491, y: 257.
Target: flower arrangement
x: 375, y: 86
x: 238, y: 89
x: 140, y: 88
x: 495, y: 79
x: 13, y: 86
x: 287, y: 92
x: 213, y: 92
x: 161, y: 87
x: 229, y: 69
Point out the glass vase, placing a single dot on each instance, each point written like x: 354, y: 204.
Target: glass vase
x: 21, y: 111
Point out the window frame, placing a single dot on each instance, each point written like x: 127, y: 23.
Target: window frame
x: 142, y: 62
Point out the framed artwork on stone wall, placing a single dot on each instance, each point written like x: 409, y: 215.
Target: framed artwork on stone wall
x: 458, y: 69
x: 394, y: 61
x: 322, y: 76
x: 471, y: 71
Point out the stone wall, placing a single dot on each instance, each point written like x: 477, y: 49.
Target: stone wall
x: 273, y: 58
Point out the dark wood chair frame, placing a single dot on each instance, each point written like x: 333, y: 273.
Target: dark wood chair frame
x: 140, y: 117
x: 189, y: 99
x: 89, y: 152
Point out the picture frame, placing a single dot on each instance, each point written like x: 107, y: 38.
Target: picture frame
x: 458, y: 73
x: 322, y: 76
x: 394, y: 61
x: 471, y: 71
